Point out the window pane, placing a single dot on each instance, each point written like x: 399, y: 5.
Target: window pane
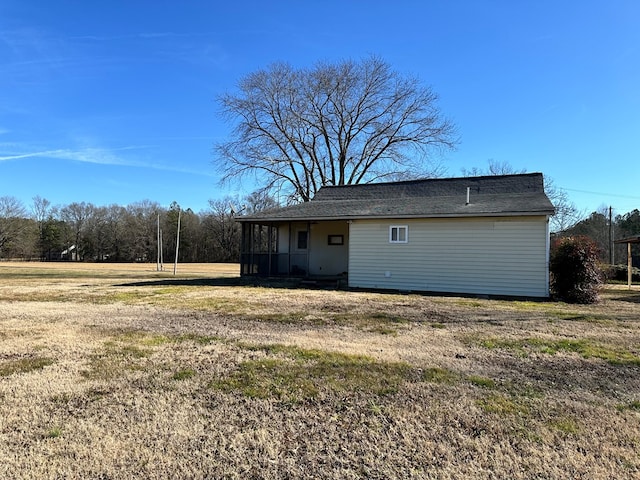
x: 398, y: 234
x: 302, y: 240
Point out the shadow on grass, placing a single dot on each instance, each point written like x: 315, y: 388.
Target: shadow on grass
x: 630, y: 296
x: 629, y: 299
x: 216, y: 282
x: 321, y: 283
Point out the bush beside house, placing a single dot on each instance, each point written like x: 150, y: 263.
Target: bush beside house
x: 576, y: 276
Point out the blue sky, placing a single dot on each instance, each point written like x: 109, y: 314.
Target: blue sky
x: 115, y: 102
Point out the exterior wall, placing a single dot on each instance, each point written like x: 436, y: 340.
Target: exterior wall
x: 294, y: 260
x: 492, y: 256
x: 325, y: 259
x: 319, y: 258
x: 283, y: 248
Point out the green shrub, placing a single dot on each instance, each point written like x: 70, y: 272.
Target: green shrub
x: 575, y: 274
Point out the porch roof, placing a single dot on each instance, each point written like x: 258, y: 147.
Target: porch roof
x: 629, y: 240
x: 505, y: 195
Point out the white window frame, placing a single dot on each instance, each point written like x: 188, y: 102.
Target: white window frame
x: 397, y: 229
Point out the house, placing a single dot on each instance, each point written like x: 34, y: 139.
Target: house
x: 70, y: 253
x: 476, y: 235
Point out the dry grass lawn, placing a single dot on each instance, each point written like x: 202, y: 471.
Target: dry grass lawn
x: 119, y: 371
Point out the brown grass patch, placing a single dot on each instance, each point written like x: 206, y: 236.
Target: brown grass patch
x: 123, y: 372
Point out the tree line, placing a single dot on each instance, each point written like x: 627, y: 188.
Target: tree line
x: 604, y: 228
x: 86, y: 232
x: 81, y: 231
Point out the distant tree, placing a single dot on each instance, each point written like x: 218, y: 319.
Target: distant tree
x: 12, y: 214
x: 222, y: 230
x: 139, y: 232
x: 334, y: 124
x: 114, y: 231
x: 566, y: 213
x: 52, y: 237
x: 25, y: 244
x: 189, y: 236
x: 170, y: 231
x: 77, y: 215
x: 42, y: 211
x: 100, y: 234
x: 259, y: 201
x: 595, y: 227
x: 493, y: 167
x: 629, y: 223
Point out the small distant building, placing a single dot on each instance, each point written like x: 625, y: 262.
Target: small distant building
x: 475, y: 235
x: 70, y: 254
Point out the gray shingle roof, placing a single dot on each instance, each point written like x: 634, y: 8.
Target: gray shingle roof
x: 502, y: 195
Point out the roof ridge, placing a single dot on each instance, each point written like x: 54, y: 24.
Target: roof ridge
x: 434, y: 179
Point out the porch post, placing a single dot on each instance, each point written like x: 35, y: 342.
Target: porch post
x: 269, y: 246
x: 243, y: 239
x: 308, y: 247
x: 251, y: 247
x: 289, y: 252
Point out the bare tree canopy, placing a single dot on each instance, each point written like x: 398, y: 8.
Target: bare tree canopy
x: 11, y: 211
x: 334, y: 124
x: 566, y: 215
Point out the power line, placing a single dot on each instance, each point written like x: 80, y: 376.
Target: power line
x: 632, y: 197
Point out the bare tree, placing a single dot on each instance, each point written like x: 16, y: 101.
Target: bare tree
x: 259, y: 201
x: 139, y: 231
x: 334, y: 124
x: 77, y: 215
x: 41, y: 209
x: 222, y: 230
x: 566, y: 215
x: 12, y: 213
x: 494, y: 167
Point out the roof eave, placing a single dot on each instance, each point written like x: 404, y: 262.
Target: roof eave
x: 389, y: 217
x: 635, y: 239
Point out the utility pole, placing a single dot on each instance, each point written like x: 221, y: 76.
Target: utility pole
x: 158, y: 242
x: 161, y: 253
x: 611, y: 250
x: 175, y: 264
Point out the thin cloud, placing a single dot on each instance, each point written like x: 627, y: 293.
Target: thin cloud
x: 143, y: 35
x: 85, y: 155
x: 101, y: 156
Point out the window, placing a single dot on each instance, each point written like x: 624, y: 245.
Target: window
x: 335, y: 240
x: 302, y: 239
x: 398, y: 234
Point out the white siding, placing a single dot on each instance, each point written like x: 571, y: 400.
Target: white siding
x: 493, y: 256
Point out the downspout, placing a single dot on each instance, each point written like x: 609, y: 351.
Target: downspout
x: 269, y: 247
x: 349, y: 222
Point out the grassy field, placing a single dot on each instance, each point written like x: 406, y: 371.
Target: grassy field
x: 119, y: 371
